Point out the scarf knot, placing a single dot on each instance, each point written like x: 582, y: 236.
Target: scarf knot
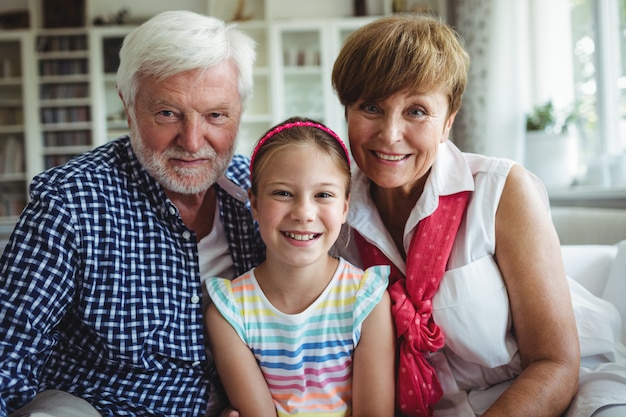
x: 413, y: 320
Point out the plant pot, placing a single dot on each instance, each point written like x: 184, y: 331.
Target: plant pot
x: 553, y: 157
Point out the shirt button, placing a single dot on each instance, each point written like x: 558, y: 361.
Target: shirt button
x: 172, y: 211
x: 195, y: 299
x: 196, y: 363
x: 186, y: 235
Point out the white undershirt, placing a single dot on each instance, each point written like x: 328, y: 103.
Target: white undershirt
x: 214, y: 253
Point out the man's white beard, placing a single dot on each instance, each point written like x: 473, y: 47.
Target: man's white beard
x: 180, y: 180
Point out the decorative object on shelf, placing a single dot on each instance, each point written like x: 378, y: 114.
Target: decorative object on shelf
x: 239, y: 15
x: 63, y: 13
x: 551, y: 150
x: 360, y: 8
x: 119, y: 18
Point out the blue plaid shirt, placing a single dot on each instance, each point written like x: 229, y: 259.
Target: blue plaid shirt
x: 100, y: 293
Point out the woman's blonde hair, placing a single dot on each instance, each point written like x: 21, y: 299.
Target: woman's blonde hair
x: 401, y: 53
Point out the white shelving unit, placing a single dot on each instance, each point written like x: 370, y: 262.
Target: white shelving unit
x: 17, y: 122
x: 303, y: 53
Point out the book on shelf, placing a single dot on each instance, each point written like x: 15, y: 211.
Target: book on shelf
x: 61, y: 43
x: 56, y: 160
x: 11, y: 156
x: 11, y: 116
x: 72, y: 66
x: 65, y: 90
x: 67, y: 138
x: 53, y: 115
x: 12, y: 200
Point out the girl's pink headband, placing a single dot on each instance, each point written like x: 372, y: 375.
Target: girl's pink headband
x: 285, y: 126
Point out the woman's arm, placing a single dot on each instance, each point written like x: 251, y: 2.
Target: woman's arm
x: 238, y: 370
x: 529, y: 256
x: 373, y: 365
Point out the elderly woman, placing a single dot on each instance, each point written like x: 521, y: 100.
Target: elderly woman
x: 482, y: 305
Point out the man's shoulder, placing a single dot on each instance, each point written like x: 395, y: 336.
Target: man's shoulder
x: 239, y: 170
x: 107, y: 160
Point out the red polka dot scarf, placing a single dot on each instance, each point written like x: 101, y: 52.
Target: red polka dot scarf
x: 417, y: 385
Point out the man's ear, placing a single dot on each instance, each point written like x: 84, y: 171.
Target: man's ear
x: 125, y: 107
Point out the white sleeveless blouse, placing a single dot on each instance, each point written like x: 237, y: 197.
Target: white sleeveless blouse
x: 481, y: 356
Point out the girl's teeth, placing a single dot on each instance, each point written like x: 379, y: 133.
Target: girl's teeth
x: 300, y: 237
x: 387, y: 157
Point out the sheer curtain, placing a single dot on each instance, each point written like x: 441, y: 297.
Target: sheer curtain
x: 492, y: 118
x: 520, y: 56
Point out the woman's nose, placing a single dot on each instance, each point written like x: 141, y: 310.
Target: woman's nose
x: 390, y: 130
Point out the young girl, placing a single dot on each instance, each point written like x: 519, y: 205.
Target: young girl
x: 304, y: 333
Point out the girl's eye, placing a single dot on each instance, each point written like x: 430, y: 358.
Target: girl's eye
x: 281, y: 193
x: 323, y: 195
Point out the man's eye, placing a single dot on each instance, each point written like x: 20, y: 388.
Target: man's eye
x: 166, y: 113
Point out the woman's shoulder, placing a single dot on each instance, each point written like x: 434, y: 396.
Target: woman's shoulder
x: 488, y: 165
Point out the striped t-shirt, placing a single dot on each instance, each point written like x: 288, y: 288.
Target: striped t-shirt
x: 306, y: 358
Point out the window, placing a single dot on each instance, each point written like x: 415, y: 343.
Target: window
x: 599, y: 74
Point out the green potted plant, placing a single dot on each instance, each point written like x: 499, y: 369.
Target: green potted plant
x: 551, y: 150
x: 546, y: 118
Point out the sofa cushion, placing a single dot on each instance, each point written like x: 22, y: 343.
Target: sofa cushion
x: 601, y: 269
x: 590, y: 265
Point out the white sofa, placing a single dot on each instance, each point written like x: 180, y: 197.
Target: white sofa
x: 593, y: 245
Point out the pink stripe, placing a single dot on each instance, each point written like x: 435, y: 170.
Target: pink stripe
x: 307, y: 371
x: 309, y: 384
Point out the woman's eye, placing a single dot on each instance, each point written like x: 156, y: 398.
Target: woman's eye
x: 166, y: 113
x: 417, y: 112
x: 369, y: 107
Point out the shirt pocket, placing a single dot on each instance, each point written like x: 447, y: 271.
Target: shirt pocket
x: 472, y: 309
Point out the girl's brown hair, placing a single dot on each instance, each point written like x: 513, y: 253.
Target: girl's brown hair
x: 298, y: 135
